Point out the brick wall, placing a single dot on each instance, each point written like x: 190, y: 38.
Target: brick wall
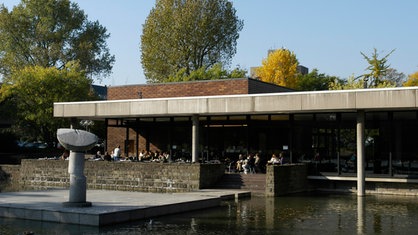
x: 179, y: 89
x: 117, y: 136
x: 286, y: 179
x: 196, y: 88
x: 9, y: 177
x: 122, y: 176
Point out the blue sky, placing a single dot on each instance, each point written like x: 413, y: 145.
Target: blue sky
x: 324, y: 34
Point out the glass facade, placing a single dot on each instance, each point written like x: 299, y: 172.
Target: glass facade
x: 326, y: 141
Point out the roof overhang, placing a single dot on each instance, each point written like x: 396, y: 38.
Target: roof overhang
x: 405, y: 98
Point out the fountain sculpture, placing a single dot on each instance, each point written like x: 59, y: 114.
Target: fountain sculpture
x: 77, y: 141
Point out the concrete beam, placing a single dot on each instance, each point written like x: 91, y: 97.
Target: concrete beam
x: 289, y: 102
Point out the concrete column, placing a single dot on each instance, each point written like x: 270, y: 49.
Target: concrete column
x: 360, y: 153
x: 195, y: 138
x: 78, y: 183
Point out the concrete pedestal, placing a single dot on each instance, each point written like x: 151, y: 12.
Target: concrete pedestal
x: 78, y: 184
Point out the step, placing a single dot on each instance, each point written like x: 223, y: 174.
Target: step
x: 256, y: 183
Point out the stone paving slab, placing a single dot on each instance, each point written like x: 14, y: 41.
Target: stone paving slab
x: 109, y: 207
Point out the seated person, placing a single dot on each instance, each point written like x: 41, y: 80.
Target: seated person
x: 240, y: 163
x: 107, y: 157
x: 65, y: 155
x: 275, y: 160
x: 98, y: 155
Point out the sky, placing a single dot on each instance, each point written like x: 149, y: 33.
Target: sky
x: 324, y: 34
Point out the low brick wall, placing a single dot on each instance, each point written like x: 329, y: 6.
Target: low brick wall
x: 9, y: 177
x: 123, y: 176
x: 286, y: 179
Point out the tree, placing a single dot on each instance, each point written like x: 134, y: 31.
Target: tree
x: 213, y: 73
x: 412, y: 80
x: 354, y: 83
x: 314, y: 81
x: 33, y: 92
x: 50, y: 33
x: 349, y: 84
x: 188, y: 35
x: 280, y: 67
x: 395, y: 77
x: 377, y: 68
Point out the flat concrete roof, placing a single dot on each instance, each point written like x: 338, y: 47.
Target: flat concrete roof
x: 405, y: 98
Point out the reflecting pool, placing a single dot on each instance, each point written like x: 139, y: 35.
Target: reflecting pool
x: 298, y: 214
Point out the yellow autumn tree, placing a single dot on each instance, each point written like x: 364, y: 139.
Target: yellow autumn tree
x: 280, y: 67
x: 412, y: 80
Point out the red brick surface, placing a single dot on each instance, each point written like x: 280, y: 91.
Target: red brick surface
x: 181, y: 89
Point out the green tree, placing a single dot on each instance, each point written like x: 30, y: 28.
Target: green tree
x: 280, y: 67
x: 349, y: 84
x: 50, y: 33
x: 188, y: 35
x: 354, y: 83
x: 213, y: 73
x: 238, y: 72
x: 377, y: 69
x: 33, y: 92
x: 314, y: 81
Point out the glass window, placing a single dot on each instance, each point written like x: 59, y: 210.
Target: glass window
x: 303, y: 117
x: 260, y: 117
x: 283, y: 117
x: 412, y: 115
x: 234, y: 118
x: 181, y: 119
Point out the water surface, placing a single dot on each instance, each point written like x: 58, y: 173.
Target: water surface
x: 301, y: 214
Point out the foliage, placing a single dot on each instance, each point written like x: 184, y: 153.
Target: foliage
x: 34, y: 89
x: 237, y: 72
x: 354, y: 83
x: 50, y: 33
x: 280, y: 67
x: 213, y: 73
x: 350, y: 83
x: 314, y: 81
x: 412, y: 80
x: 377, y: 68
x: 380, y: 75
x: 395, y: 77
x: 183, y: 36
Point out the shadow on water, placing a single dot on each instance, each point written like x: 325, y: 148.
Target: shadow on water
x: 297, y: 214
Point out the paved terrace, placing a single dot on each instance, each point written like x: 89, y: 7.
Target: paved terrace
x: 109, y: 207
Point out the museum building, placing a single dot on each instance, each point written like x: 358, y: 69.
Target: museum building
x: 203, y: 121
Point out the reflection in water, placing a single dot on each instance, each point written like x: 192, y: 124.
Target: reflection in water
x: 360, y: 216
x: 301, y: 214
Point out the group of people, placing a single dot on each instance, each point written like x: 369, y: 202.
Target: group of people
x: 116, y: 155
x: 249, y: 164
x: 254, y: 164
x: 276, y: 160
x: 144, y: 156
x: 149, y: 156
